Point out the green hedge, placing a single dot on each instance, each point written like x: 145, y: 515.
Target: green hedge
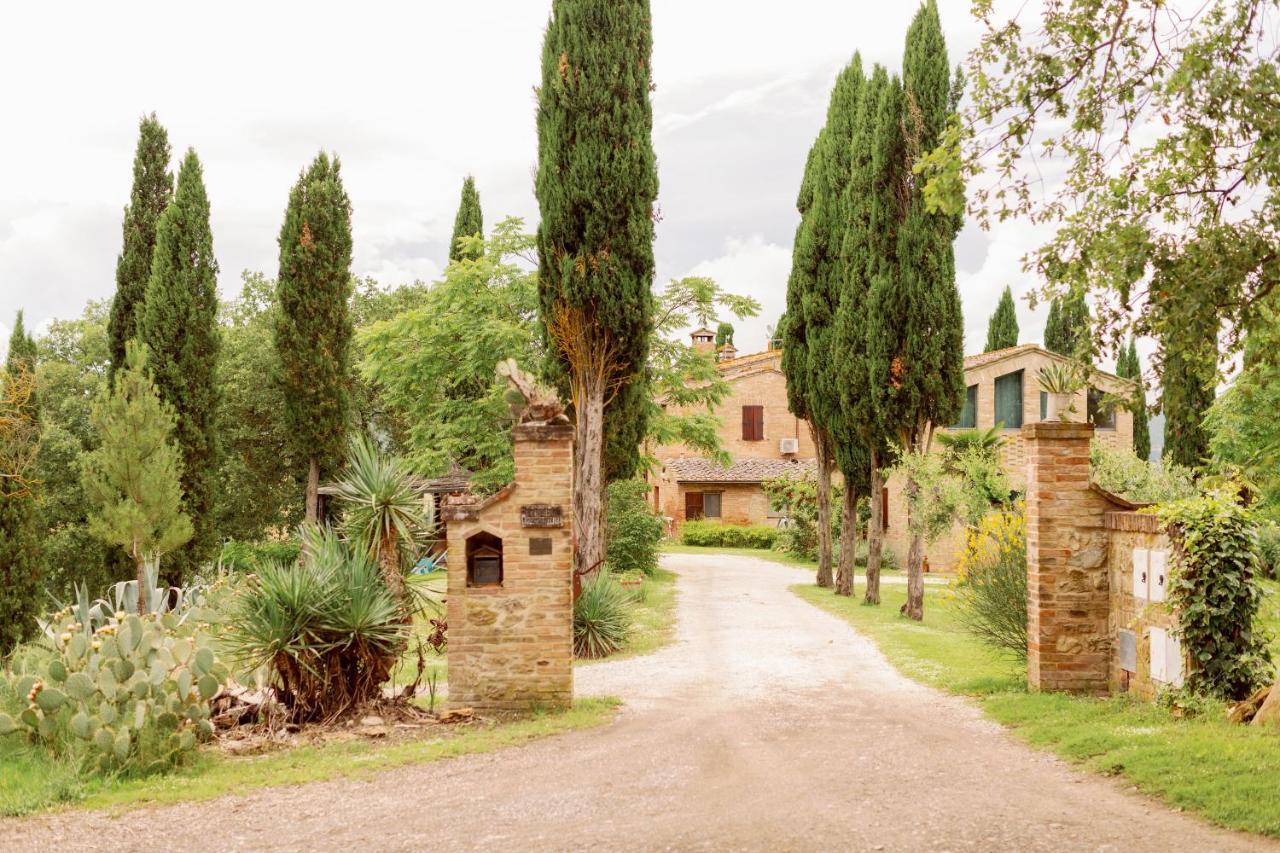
x: 711, y: 534
x: 247, y: 556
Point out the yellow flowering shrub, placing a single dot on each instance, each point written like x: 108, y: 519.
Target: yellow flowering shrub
x: 990, y: 589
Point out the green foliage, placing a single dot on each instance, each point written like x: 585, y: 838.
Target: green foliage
x: 1214, y: 590
x: 983, y: 482
x: 178, y: 323
x: 602, y: 618
x: 1002, y: 328
x: 327, y: 632
x: 596, y: 185
x: 468, y: 223
x: 128, y: 694
x: 798, y: 498
x: 724, y: 334
x: 712, y: 534
x: 990, y: 589
x: 1067, y: 330
x: 935, y: 498
x: 21, y: 557
x: 1122, y: 473
x: 313, y: 327
x: 151, y: 193
x: 239, y: 556
x: 132, y: 478
x: 988, y: 441
x: 1268, y: 550
x: 1188, y: 364
x: 634, y: 529
x: 1129, y: 367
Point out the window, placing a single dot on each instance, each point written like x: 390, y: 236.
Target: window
x: 1009, y: 400
x: 711, y: 504
x: 1044, y: 405
x: 1102, y: 412
x: 753, y: 423
x: 969, y: 414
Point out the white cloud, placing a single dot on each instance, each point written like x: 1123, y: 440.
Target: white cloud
x: 757, y: 268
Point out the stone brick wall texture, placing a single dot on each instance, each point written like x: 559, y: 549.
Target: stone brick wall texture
x: 1130, y: 530
x: 511, y: 646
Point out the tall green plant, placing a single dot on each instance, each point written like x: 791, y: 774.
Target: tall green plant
x: 21, y: 552
x: 634, y: 528
x: 1002, y: 328
x: 1129, y: 367
x: 596, y: 186
x: 132, y: 478
x: 313, y: 329
x: 469, y: 222
x: 178, y: 323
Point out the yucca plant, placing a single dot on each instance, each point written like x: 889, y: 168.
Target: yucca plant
x: 601, y: 618
x: 985, y: 441
x: 382, y: 512
x: 327, y: 631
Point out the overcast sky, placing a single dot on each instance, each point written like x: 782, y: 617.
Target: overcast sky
x: 413, y: 96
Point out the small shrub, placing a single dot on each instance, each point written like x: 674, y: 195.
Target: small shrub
x: 601, y: 618
x: 991, y: 585
x: 634, y: 529
x: 247, y: 556
x: 889, y: 559
x: 1122, y: 473
x: 798, y: 498
x: 1268, y: 550
x: 712, y: 534
x: 129, y: 696
x: 327, y: 632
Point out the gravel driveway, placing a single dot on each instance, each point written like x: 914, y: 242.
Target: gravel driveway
x: 767, y: 724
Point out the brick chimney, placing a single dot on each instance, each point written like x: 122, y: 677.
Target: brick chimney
x: 727, y: 351
x: 704, y: 340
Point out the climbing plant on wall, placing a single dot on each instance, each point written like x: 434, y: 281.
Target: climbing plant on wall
x: 1214, y: 590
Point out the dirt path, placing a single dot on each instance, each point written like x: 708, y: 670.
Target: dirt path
x: 768, y: 724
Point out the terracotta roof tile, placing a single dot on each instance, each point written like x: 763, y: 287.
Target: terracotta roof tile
x: 697, y: 470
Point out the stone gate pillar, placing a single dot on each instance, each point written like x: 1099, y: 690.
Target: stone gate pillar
x: 1068, y: 640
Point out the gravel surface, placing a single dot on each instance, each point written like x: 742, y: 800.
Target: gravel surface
x: 767, y: 724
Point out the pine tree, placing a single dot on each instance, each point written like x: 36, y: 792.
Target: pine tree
x: 151, y: 194
x: 1002, y: 328
x: 469, y: 222
x: 596, y: 186
x: 313, y: 329
x: 1129, y: 367
x: 916, y: 329
x: 133, y: 478
x: 178, y: 323
x: 20, y: 537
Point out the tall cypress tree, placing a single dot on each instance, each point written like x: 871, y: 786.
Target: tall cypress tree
x: 178, y: 323
x: 1053, y: 332
x: 1067, y: 330
x: 20, y: 539
x: 916, y: 329
x: 313, y: 329
x: 152, y: 191
x: 596, y: 185
x: 1128, y: 366
x: 1187, y: 379
x: 1002, y: 328
x: 469, y: 222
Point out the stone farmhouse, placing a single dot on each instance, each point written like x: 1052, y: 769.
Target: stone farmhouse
x: 1003, y: 390
x: 764, y: 439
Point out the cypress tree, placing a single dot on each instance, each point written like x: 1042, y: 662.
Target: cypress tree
x: 1188, y: 375
x: 313, y: 328
x: 596, y: 186
x: 1128, y: 366
x: 178, y: 323
x: 469, y: 222
x: 1002, y: 328
x: 20, y: 538
x: 1067, y: 330
x: 1053, y: 333
x: 915, y: 328
x: 152, y: 191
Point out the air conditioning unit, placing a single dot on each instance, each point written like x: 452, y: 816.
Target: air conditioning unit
x: 788, y: 445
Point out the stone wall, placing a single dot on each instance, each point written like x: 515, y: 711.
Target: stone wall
x: 511, y: 644
x: 1140, y: 623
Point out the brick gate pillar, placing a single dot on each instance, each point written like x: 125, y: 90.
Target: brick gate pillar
x: 1068, y: 643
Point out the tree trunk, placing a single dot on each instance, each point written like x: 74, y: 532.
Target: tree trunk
x: 824, y: 508
x: 875, y: 533
x: 142, y: 579
x: 588, y: 481
x: 914, y: 606
x: 389, y: 561
x: 313, y: 491
x: 848, y: 541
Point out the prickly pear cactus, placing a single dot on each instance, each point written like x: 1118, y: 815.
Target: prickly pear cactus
x: 131, y: 694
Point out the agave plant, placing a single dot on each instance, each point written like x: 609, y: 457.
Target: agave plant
x: 327, y: 632
x: 602, y: 617
x: 122, y: 597
x: 382, y: 512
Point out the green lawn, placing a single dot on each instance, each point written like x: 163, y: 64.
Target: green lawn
x: 654, y: 617
x: 1228, y: 774
x: 30, y: 781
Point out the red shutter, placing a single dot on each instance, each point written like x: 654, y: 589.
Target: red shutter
x: 753, y: 423
x: 884, y: 509
x: 759, y: 417
x: 692, y: 506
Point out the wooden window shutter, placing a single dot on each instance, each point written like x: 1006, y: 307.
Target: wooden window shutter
x: 753, y: 423
x: 884, y: 509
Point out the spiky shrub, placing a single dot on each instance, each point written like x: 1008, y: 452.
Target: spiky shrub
x: 601, y: 618
x: 130, y: 695
x: 326, y: 633
x: 990, y: 588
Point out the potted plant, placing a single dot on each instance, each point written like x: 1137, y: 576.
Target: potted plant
x: 1061, y: 382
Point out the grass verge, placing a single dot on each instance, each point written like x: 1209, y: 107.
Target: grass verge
x: 1228, y: 774
x: 30, y: 781
x: 654, y: 617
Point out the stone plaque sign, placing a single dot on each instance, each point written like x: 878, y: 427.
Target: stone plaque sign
x: 541, y: 515
x: 539, y: 547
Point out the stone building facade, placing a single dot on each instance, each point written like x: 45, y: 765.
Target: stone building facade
x: 1003, y: 387
x: 510, y: 593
